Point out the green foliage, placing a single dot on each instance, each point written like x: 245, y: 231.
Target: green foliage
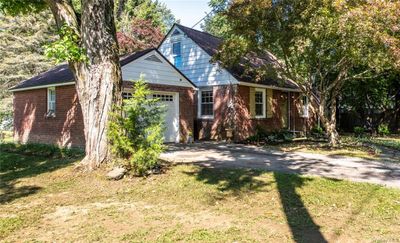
x: 67, y: 48
x: 136, y: 130
x: 15, y: 7
x: 359, y: 131
x: 262, y: 136
x: 21, y: 52
x: 158, y: 13
x: 41, y: 150
x: 217, y: 23
x: 383, y: 130
x: 317, y: 132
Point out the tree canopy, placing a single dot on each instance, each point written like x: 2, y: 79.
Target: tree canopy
x: 320, y: 44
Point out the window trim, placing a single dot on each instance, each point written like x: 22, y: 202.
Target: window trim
x: 264, y: 103
x: 51, y: 101
x: 199, y: 115
x: 176, y: 55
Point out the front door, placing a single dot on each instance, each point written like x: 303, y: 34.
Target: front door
x: 171, y: 103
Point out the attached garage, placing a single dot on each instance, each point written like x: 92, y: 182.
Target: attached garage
x: 47, y: 110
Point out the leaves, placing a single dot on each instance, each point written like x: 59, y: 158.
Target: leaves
x: 67, y: 48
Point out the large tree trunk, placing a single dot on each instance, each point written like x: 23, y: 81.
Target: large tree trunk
x: 98, y: 81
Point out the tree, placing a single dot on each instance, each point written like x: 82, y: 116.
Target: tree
x: 22, y: 36
x: 155, y: 12
x: 92, y: 54
x: 140, y: 35
x: 216, y: 23
x: 318, y: 44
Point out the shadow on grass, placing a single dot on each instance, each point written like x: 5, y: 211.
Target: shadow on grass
x: 301, y: 224
x: 14, y: 167
x: 240, y: 181
x: 233, y: 181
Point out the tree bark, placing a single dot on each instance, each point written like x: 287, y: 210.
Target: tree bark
x: 98, y: 81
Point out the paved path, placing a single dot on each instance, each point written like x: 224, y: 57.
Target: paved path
x: 244, y: 156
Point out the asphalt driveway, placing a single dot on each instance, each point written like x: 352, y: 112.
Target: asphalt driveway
x: 244, y: 156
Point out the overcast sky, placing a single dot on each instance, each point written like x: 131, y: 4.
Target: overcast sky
x: 188, y: 11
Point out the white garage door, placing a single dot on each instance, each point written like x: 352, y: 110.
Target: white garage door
x: 171, y: 102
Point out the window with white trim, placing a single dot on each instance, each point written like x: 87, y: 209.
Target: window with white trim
x: 177, y: 54
x: 126, y: 95
x: 304, y: 101
x: 51, y: 100
x: 206, y: 104
x: 259, y: 103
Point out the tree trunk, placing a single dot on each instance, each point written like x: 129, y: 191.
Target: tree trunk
x: 98, y: 81
x: 327, y: 115
x: 101, y: 88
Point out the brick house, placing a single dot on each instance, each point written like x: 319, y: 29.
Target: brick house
x: 202, y: 98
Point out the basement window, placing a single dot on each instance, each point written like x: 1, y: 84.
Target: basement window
x: 51, y: 102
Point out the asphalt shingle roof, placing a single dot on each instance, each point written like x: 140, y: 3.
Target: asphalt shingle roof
x: 210, y: 44
x: 62, y: 74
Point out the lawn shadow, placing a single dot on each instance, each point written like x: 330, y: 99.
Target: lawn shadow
x: 14, y: 167
x: 301, y: 224
x: 233, y: 181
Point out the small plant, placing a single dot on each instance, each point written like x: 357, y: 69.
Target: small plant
x: 317, y: 132
x: 383, y: 130
x: 41, y: 150
x: 136, y: 130
x: 359, y: 131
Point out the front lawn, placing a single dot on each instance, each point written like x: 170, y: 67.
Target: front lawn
x: 43, y: 199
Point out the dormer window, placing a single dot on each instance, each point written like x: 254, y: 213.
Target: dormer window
x: 176, y: 53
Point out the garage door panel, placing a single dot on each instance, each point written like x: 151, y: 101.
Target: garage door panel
x: 171, y: 103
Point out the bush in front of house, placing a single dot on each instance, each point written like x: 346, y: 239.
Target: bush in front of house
x: 136, y: 131
x: 262, y: 136
x: 359, y: 131
x: 41, y: 150
x: 317, y: 132
x: 383, y: 130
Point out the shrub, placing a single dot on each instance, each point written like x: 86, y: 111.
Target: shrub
x: 317, y: 131
x: 359, y: 131
x: 136, y: 130
x: 383, y: 130
x: 271, y: 137
x: 41, y: 150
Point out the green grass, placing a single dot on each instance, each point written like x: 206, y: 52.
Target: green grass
x: 390, y: 142
x: 45, y: 199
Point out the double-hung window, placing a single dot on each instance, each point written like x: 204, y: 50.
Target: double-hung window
x: 259, y: 103
x: 206, y: 104
x: 177, y: 54
x: 51, y: 101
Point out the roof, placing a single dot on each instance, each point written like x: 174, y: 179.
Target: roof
x: 210, y: 44
x: 62, y: 74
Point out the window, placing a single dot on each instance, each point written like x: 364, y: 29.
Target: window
x: 126, y: 95
x: 176, y: 53
x: 51, y: 101
x: 259, y: 103
x: 304, y: 101
x: 206, y: 104
x: 163, y: 97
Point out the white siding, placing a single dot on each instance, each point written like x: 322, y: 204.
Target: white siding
x: 196, y: 62
x: 153, y: 72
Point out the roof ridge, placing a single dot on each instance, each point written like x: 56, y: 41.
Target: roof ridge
x: 203, y: 32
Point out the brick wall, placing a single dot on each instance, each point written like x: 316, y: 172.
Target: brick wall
x: 66, y: 129
x: 244, y: 124
x: 32, y: 125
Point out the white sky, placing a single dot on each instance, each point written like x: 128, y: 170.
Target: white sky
x: 188, y: 11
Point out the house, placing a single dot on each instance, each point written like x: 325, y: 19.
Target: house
x: 202, y: 97
x: 231, y: 98
x: 47, y: 110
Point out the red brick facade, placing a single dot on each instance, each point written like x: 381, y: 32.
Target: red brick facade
x: 32, y: 125
x: 66, y: 128
x: 240, y: 119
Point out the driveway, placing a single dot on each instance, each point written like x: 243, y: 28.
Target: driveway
x: 245, y: 156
